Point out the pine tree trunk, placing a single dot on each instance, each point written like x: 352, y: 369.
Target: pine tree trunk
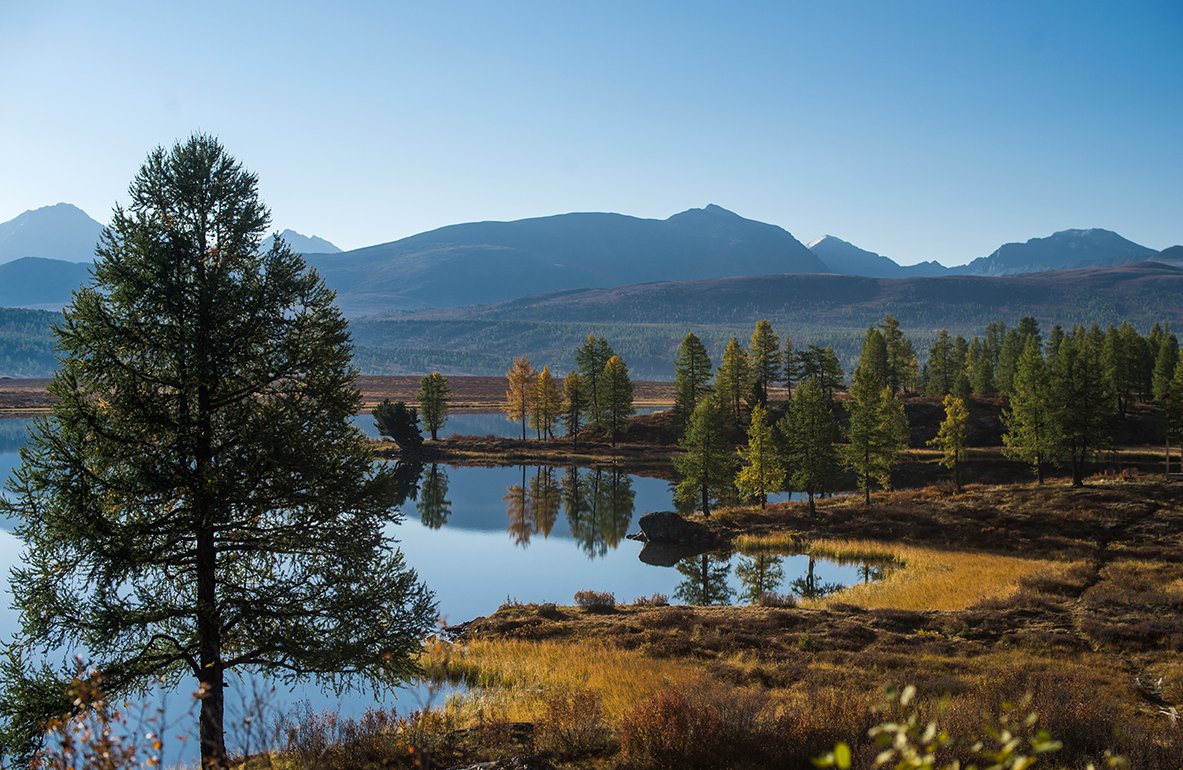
x: 812, y: 509
x: 213, y: 736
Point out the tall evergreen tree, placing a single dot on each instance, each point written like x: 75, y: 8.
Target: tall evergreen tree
x: 951, y: 437
x: 1173, y: 410
x: 519, y: 395
x: 590, y: 359
x: 732, y: 383
x: 692, y: 376
x: 433, y: 402
x: 810, y: 435
x: 792, y: 363
x: 900, y: 369
x: 872, y: 360
x: 1082, y: 399
x: 979, y: 367
x: 1165, y: 359
x: 707, y: 466
x: 1032, y: 428
x: 574, y: 405
x: 617, y: 393
x: 877, y: 434
x: 765, y: 360
x: 200, y: 503
x: 940, y: 369
x: 761, y: 471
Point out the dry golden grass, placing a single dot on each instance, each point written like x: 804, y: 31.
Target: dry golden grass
x: 926, y: 578
x: 515, y: 678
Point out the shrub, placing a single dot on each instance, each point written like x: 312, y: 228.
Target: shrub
x: 656, y: 600
x: 574, y: 725
x: 596, y: 601
x: 672, y: 730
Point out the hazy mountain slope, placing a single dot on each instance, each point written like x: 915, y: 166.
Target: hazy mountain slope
x: 301, y: 244
x: 41, y: 283
x: 61, y: 231
x: 646, y: 322
x: 483, y: 262
x: 1064, y: 250
x: 845, y: 258
x: 1172, y: 255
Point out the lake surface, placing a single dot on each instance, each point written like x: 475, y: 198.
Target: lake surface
x: 481, y: 537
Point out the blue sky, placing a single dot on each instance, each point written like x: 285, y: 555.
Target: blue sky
x: 922, y: 130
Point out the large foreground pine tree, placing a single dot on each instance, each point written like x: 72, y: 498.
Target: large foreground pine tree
x: 199, y: 501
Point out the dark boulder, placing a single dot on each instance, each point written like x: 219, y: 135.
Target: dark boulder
x: 668, y: 527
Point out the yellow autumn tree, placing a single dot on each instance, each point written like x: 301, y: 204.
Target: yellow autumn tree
x: 520, y: 393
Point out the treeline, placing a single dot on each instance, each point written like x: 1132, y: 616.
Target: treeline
x: 26, y: 346
x: 1061, y: 400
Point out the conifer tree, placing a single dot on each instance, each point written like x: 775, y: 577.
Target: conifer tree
x: 872, y: 361
x: 980, y: 368
x: 764, y: 359
x: 399, y: 423
x: 732, y: 381
x: 546, y: 404
x: 201, y: 505
x: 761, y: 471
x: 940, y: 369
x: 1082, y: 399
x: 433, y: 402
x: 1165, y: 360
x: 1032, y: 429
x: 951, y: 437
x: 590, y: 359
x: 617, y: 392
x: 900, y: 367
x: 792, y: 374
x: 1173, y: 410
x: 810, y: 435
x: 574, y: 405
x: 692, y: 376
x: 519, y: 395
x: 706, y: 467
x: 878, y: 432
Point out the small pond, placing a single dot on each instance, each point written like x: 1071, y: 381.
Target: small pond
x: 473, y: 423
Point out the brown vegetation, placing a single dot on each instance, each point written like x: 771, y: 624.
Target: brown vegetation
x: 1087, y: 634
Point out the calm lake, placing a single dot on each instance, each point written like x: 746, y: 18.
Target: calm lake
x: 480, y: 537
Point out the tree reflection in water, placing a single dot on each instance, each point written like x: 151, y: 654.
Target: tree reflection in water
x: 434, y: 505
x: 599, y: 506
x: 406, y: 481
x: 809, y: 587
x: 532, y: 506
x: 760, y: 574
x: 705, y: 580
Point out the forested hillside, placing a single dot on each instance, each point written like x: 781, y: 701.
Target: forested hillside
x: 26, y: 346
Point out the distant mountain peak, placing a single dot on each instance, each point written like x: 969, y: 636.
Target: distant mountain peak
x: 59, y: 231
x: 1062, y: 250
x: 302, y: 244
x: 712, y: 209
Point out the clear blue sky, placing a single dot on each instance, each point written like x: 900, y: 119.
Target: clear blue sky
x: 922, y: 130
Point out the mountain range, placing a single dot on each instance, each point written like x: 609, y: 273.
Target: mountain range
x: 486, y: 263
